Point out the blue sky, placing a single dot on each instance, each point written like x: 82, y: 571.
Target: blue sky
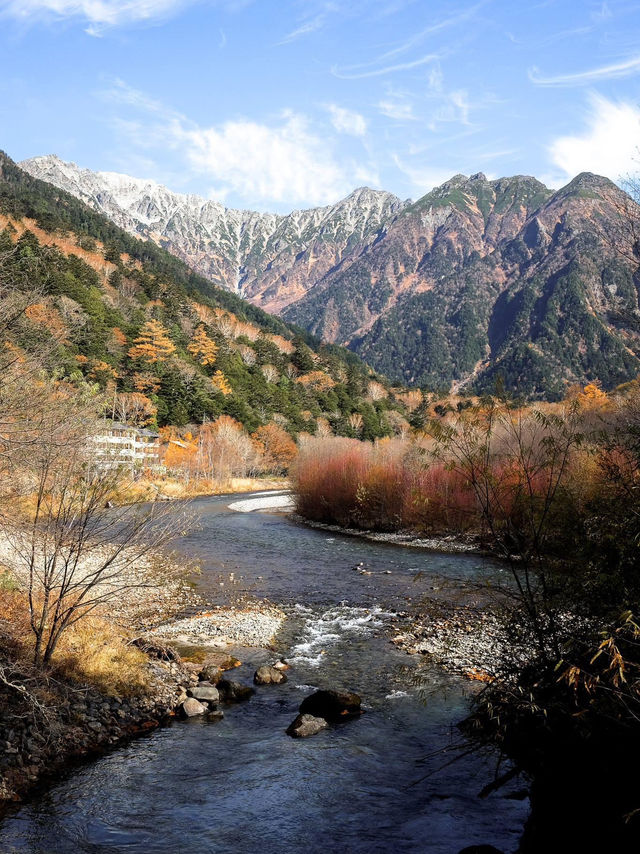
x: 283, y: 104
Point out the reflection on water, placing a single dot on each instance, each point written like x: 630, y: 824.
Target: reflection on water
x: 379, y: 783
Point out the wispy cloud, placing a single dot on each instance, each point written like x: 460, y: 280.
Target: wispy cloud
x: 626, y: 68
x: 99, y: 15
x: 285, y: 161
x: 400, y: 111
x: 385, y: 63
x: 120, y: 92
x: 417, y: 39
x: 312, y: 23
x: 608, y: 145
x: 454, y: 107
x: 345, y: 74
x: 347, y: 121
x: 498, y: 154
x: 310, y: 26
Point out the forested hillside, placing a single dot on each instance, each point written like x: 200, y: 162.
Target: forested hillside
x: 166, y: 345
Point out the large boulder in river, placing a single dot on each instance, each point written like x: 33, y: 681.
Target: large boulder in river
x: 306, y: 725
x: 192, y: 707
x: 331, y: 705
x: 205, y: 693
x: 234, y: 692
x: 267, y: 675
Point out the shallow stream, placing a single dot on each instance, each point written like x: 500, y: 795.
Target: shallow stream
x: 383, y: 782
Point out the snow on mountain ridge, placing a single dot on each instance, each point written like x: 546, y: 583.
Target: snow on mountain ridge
x: 242, y: 250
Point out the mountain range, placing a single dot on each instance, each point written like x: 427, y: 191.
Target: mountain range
x: 477, y: 280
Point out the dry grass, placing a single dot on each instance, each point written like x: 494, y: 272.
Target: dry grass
x: 92, y: 652
x: 14, y: 619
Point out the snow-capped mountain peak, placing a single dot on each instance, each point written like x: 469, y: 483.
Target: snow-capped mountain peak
x: 241, y: 250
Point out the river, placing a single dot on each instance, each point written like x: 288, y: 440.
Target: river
x: 384, y: 782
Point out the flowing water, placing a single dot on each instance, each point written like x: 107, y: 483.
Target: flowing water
x: 383, y: 782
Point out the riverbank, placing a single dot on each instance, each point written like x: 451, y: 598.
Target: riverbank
x: 49, y: 724
x: 470, y: 641
x: 449, y: 544
x: 492, y: 641
x: 80, y: 708
x: 167, y: 488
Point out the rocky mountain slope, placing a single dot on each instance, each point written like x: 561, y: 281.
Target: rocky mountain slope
x: 266, y: 258
x: 481, y: 279
x: 476, y: 280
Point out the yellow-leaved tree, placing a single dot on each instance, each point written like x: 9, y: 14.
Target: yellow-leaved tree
x: 220, y: 383
x: 152, y: 344
x: 202, y: 348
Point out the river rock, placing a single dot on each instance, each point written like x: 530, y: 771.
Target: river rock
x: 306, y: 725
x: 205, y: 693
x: 220, y: 659
x: 234, y: 692
x: 267, y: 675
x: 210, y: 673
x: 215, y: 716
x: 192, y: 707
x: 331, y: 705
x: 480, y: 849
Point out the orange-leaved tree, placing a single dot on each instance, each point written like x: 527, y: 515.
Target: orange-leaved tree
x: 220, y: 383
x: 277, y: 447
x: 202, y: 348
x: 152, y: 344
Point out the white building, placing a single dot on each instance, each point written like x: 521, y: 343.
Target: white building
x: 118, y: 444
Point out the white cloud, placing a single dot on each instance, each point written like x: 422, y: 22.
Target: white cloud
x: 347, y: 121
x: 400, y: 111
x: 607, y: 146
x: 592, y: 75
x: 372, y: 69
x: 281, y: 162
x: 98, y: 14
x: 309, y: 26
x: 389, y: 69
x: 454, y: 107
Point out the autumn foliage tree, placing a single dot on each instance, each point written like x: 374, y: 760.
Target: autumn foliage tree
x: 277, y: 447
x: 225, y: 450
x: 202, y: 348
x: 220, y: 383
x: 135, y: 409
x: 152, y: 344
